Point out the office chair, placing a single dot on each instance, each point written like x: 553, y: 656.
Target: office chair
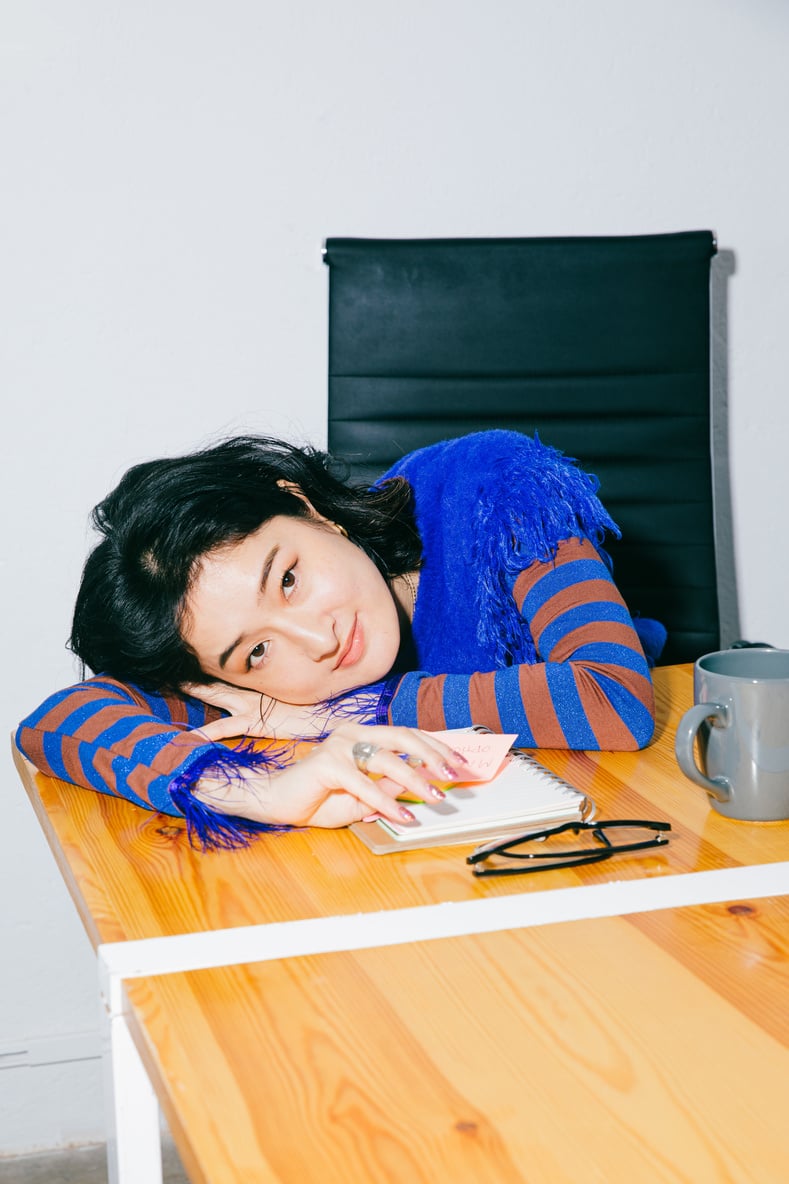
x: 600, y: 345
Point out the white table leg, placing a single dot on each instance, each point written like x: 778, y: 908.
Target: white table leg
x: 134, y: 1148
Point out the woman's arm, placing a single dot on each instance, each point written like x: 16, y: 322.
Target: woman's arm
x: 150, y: 749
x: 112, y: 737
x: 591, y: 688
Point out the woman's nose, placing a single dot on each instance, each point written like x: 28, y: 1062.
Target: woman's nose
x: 314, y: 634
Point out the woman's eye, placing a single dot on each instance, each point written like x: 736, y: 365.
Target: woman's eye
x: 288, y: 580
x: 257, y: 655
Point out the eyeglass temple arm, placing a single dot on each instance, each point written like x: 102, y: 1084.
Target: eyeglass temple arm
x: 480, y: 853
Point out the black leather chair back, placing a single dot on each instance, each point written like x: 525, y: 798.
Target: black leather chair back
x: 601, y: 345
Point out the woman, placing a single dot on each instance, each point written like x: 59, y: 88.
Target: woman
x: 466, y: 587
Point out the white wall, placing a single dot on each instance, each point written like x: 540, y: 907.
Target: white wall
x: 169, y: 169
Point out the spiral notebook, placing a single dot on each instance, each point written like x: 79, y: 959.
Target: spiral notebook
x: 522, y: 795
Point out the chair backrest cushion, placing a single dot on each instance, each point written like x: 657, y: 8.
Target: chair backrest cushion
x: 599, y: 345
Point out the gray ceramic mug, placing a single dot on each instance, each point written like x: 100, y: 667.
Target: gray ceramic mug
x: 741, y: 718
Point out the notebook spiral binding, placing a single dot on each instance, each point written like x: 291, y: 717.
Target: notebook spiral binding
x: 526, y: 758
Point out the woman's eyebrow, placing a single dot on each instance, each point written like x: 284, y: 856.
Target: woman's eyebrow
x: 264, y: 576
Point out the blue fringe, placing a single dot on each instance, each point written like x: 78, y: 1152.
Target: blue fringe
x: 211, y: 830
x: 652, y: 635
x: 488, y: 505
x: 364, y: 705
x: 208, y: 829
x: 543, y: 498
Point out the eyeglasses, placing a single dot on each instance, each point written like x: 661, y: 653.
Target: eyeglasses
x: 599, y: 840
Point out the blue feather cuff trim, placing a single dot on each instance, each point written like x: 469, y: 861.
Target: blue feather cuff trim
x: 207, y: 828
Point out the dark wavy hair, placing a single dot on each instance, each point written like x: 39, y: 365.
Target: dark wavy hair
x: 164, y: 515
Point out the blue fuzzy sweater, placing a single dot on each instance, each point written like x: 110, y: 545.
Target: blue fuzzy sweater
x: 488, y: 505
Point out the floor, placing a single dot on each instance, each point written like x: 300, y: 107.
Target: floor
x: 83, y: 1165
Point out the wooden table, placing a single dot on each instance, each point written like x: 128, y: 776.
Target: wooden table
x: 638, y: 1049
x: 309, y: 1011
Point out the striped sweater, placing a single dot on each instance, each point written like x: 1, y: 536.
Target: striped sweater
x: 589, y: 689
x: 572, y: 674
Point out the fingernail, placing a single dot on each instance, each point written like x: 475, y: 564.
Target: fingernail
x: 448, y: 771
x: 459, y: 757
x: 406, y: 815
x: 437, y: 793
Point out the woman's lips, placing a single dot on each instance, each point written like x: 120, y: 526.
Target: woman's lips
x: 353, y: 648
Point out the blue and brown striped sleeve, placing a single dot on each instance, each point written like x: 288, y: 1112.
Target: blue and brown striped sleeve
x: 114, y: 738
x: 590, y: 688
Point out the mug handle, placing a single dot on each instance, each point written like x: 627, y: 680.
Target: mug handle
x: 719, y: 787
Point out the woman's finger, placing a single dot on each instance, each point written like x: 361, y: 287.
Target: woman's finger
x: 391, y: 774
x: 411, y: 782
x: 376, y: 794
x: 229, y: 727
x: 380, y: 796
x: 419, y: 757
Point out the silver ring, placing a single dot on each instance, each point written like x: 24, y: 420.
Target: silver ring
x: 363, y: 752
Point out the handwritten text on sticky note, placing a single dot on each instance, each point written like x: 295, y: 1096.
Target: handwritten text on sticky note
x: 484, y: 752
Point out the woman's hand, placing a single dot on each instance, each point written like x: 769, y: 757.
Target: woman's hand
x: 254, y: 714
x: 326, y: 787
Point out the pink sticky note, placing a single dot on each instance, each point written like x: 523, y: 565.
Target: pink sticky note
x: 484, y: 752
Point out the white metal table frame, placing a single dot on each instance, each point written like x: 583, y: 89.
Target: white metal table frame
x: 134, y: 1141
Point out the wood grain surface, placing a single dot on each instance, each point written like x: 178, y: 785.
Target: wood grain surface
x: 133, y: 874
x: 634, y: 1049
x: 651, y: 1047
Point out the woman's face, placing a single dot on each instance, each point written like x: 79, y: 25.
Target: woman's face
x: 295, y: 610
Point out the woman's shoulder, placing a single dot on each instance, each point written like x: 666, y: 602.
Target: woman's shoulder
x: 491, y: 488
